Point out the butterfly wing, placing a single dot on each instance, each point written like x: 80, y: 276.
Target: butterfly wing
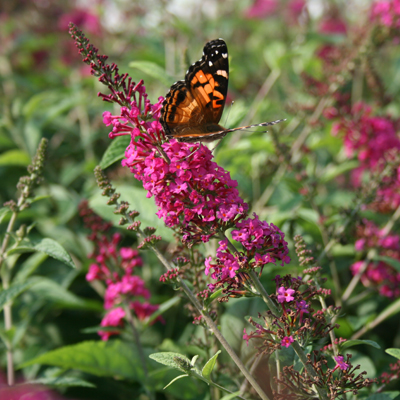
x: 207, y: 80
x: 198, y: 100
x: 180, y: 109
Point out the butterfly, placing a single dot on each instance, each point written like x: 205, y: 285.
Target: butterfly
x: 192, y: 108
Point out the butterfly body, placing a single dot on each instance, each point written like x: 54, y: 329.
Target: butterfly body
x: 193, y: 107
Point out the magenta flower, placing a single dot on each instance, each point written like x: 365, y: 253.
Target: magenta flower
x: 263, y: 243
x: 378, y: 275
x: 373, y: 139
x: 340, y: 363
x: 246, y: 337
x: 262, y: 9
x: 115, y: 317
x: 115, y: 266
x: 386, y: 13
x: 302, y: 308
x: 287, y: 341
x: 285, y: 295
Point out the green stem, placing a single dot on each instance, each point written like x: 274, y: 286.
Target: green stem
x: 212, y: 326
x: 300, y: 353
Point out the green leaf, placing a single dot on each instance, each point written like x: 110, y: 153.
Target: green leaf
x: 351, y: 343
x: 14, y: 291
x: 232, y: 396
x: 308, y: 215
x: 215, y: 295
x: 115, y: 151
x: 393, y: 352
x: 62, y: 381
x: 332, y: 171
x: 49, y: 247
x: 14, y: 157
x: 384, y: 396
x: 55, y: 293
x: 95, y: 329
x: 29, y: 266
x: 113, y: 358
x: 55, y: 250
x: 3, y: 212
x: 162, y: 309
x: 154, y: 70
x: 210, y: 364
x: 388, y: 260
x: 168, y: 358
x: 175, y: 379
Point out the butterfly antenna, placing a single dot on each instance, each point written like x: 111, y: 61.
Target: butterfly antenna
x: 227, y: 116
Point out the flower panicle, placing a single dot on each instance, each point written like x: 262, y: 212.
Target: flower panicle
x: 116, y: 267
x: 27, y: 184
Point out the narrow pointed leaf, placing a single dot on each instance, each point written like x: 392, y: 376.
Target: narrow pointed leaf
x: 48, y: 246
x: 175, y: 379
x: 232, y: 396
x: 62, y: 381
x: 14, y: 291
x: 393, y: 352
x: 3, y: 212
x: 207, y: 369
x: 169, y: 358
x: 351, y: 343
x: 115, y: 151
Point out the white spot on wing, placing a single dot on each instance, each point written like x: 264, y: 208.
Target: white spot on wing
x: 216, y: 51
x: 224, y: 55
x: 222, y: 73
x: 210, y: 63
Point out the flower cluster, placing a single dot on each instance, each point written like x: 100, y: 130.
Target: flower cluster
x: 387, y: 13
x: 191, y: 191
x: 266, y: 8
x: 297, y: 320
x: 375, y: 141
x: 379, y: 275
x: 116, y: 267
x: 394, y: 373
x: 262, y: 243
x: 297, y: 385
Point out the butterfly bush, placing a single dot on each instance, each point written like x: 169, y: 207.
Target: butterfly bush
x: 193, y: 194
x: 378, y: 275
x: 116, y: 267
x: 296, y: 320
x: 387, y: 13
x: 262, y: 243
x: 374, y: 140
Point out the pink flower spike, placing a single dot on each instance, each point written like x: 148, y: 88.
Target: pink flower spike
x: 287, y: 341
x: 285, y: 295
x: 340, y: 363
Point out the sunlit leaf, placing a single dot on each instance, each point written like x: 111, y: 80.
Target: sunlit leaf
x: 113, y: 358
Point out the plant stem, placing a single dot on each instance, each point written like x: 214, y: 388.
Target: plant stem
x: 131, y: 321
x: 5, y: 275
x: 213, y: 327
x: 299, y: 351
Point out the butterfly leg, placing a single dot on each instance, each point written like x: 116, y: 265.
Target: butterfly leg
x: 219, y: 141
x: 192, y: 153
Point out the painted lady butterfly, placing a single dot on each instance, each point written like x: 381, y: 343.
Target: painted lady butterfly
x: 193, y: 107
